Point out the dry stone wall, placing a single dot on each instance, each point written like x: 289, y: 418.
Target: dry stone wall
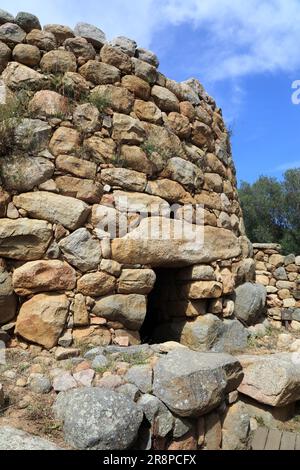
x: 94, y: 124
x: 281, y: 276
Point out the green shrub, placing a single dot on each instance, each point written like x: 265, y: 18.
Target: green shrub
x: 10, y: 115
x: 102, y: 102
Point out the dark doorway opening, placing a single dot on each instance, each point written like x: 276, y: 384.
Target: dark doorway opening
x: 161, y: 304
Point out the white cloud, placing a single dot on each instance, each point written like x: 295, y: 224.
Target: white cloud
x: 245, y: 37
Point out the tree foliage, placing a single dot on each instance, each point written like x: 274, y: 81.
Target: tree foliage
x: 272, y: 210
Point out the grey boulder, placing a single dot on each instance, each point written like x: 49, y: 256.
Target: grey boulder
x: 27, y: 21
x: 98, y: 419
x: 5, y: 17
x: 15, y: 439
x: 192, y: 384
x: 250, y: 302
x: 91, y: 33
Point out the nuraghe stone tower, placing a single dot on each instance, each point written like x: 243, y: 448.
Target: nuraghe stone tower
x: 98, y: 148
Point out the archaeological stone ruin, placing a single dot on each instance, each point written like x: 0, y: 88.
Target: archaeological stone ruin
x: 121, y: 230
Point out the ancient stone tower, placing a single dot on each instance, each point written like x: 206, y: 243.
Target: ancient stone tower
x: 99, y: 150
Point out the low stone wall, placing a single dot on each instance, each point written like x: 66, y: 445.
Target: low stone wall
x: 281, y: 276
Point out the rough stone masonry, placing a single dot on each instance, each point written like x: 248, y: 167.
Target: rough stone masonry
x: 101, y: 125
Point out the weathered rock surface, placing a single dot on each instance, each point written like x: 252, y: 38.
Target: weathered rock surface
x: 32, y: 135
x: 100, y: 73
x: 24, y: 239
x: 11, y: 34
x: 148, y: 244
x: 96, y: 284
x: 130, y: 310
x: 138, y: 281
x: 23, y: 173
x: 236, y: 428
x: 27, y: 21
x: 91, y: 33
x: 54, y: 208
x: 27, y: 54
x: 81, y: 250
x: 206, y: 332
x: 18, y: 76
x: 98, y: 419
x: 250, y: 302
x: 8, y: 300
x: 273, y: 379
x: 41, y: 319
x: 43, y: 276
x: 15, y: 439
x: 192, y: 384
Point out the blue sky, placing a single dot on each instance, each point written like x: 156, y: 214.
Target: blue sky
x: 246, y: 53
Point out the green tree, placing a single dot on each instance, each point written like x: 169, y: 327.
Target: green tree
x: 272, y: 210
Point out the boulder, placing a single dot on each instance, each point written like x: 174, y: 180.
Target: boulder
x: 27, y: 55
x: 11, y: 34
x: 157, y: 414
x: 24, y: 239
x: 272, y: 379
x: 147, y: 111
x: 64, y: 141
x: 113, y: 56
x: 205, y: 332
x: 165, y: 99
x: 100, y: 73
x: 80, y: 48
x: 76, y: 166
x: 85, y: 190
x: 130, y: 310
x: 54, y: 208
x: 81, y: 250
x: 127, y: 130
x: 61, y: 32
x: 96, y: 284
x: 47, y: 103
x: 202, y: 290
x: 81, y: 314
x: 23, y: 173
x: 98, y: 419
x: 32, y: 135
x: 117, y: 98
x: 5, y: 55
x: 15, y: 439
x: 185, y: 173
x: 43, y: 40
x: 129, y: 180
x: 236, y: 427
x: 137, y: 86
x: 43, y: 276
x: 86, y: 117
x: 169, y: 190
x: 192, y: 384
x: 8, y: 300
x: 6, y: 17
x: 136, y: 281
x: 58, y: 61
x: 250, y: 302
x: 18, y: 76
x: 91, y: 33
x: 101, y: 150
x: 166, y: 242
x: 42, y: 319
x: 27, y: 21
x: 141, y: 376
x: 147, y: 56
x: 125, y: 45
x: 197, y: 273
